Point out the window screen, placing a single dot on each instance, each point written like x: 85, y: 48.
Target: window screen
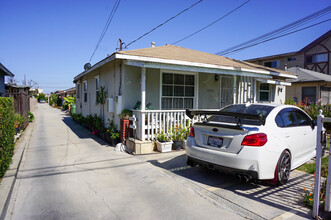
x: 177, y: 91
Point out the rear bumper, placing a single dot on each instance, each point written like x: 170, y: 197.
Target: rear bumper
x: 256, y: 161
x: 229, y: 170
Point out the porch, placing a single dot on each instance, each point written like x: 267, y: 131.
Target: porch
x: 172, y: 87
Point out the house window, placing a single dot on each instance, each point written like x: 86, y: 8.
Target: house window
x: 272, y: 64
x: 97, y: 88
x: 264, y: 92
x: 78, y: 90
x: 178, y: 91
x: 317, y: 58
x: 85, y: 91
x: 291, y: 58
x: 309, y: 94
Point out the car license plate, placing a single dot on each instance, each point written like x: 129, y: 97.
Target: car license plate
x: 215, y: 141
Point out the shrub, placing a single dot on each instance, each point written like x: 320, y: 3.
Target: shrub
x: 308, y: 195
x: 41, y: 96
x: 68, y: 101
x: 31, y: 117
x: 7, y: 131
x: 111, y: 130
x: 163, y: 137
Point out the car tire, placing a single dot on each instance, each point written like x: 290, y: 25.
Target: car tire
x: 283, y: 168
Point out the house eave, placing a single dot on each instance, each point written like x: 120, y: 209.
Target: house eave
x: 203, y: 65
x: 193, y: 69
x: 97, y: 65
x: 275, y: 82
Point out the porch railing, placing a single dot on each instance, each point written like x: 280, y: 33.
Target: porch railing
x: 152, y: 122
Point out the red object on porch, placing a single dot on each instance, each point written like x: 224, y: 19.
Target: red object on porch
x: 124, y: 131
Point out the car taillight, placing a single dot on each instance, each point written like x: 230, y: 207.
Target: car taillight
x: 258, y: 139
x: 192, y: 132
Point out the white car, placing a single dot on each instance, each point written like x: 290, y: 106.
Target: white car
x: 252, y: 141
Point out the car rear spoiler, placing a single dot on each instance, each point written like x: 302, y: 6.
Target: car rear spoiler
x: 191, y: 113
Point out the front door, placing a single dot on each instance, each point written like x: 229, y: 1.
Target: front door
x: 226, y: 91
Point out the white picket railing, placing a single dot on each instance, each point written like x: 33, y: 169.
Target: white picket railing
x: 152, y: 122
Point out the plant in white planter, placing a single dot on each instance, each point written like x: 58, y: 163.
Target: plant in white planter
x: 163, y: 142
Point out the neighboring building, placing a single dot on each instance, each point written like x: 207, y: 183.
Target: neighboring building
x: 70, y: 92
x: 310, y: 86
x: 172, y: 79
x: 3, y: 72
x: 315, y: 56
x: 21, y: 97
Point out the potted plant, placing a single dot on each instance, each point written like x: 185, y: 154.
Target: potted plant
x: 112, y: 134
x: 163, y: 142
x: 177, y: 137
x: 125, y: 114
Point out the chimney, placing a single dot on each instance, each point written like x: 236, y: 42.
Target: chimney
x: 153, y: 44
x: 285, y: 67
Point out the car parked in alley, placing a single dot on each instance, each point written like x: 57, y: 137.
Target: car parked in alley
x: 252, y: 141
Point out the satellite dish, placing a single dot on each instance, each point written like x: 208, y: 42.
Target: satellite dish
x: 87, y: 66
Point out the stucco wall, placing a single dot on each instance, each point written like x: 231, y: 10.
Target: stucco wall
x: 131, y: 86
x: 321, y: 49
x: 153, y: 87
x: 300, y: 56
x: 279, y: 92
x: 209, y: 91
x: 2, y: 85
x: 296, y: 90
x: 109, y: 75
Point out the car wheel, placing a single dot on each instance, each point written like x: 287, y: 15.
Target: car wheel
x: 283, y: 168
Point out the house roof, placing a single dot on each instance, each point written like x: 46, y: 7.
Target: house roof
x: 305, y: 75
x: 171, y: 52
x: 16, y: 86
x: 5, y: 71
x: 176, y: 55
x: 272, y: 56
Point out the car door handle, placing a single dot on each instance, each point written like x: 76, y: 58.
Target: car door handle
x: 305, y: 133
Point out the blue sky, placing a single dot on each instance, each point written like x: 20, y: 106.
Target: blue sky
x: 49, y: 41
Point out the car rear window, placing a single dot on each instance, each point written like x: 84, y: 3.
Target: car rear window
x: 262, y: 110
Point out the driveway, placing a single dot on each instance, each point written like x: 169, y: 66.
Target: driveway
x: 66, y: 173
x: 253, y: 200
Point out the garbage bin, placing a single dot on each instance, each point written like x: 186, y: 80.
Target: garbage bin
x: 73, y: 108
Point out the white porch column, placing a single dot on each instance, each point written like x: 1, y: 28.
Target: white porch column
x: 143, y: 101
x: 234, y: 89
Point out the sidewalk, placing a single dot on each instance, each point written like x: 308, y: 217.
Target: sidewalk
x: 253, y: 200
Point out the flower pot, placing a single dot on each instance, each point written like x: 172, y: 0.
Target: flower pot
x: 164, y: 146
x: 177, y: 145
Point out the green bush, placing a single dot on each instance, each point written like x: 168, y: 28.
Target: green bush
x: 7, y: 131
x: 111, y: 130
x: 31, y: 117
x: 41, y: 96
x: 68, y: 101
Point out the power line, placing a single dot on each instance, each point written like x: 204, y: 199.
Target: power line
x: 110, y: 18
x: 211, y: 23
x: 127, y: 45
x: 281, y: 30
x: 276, y: 37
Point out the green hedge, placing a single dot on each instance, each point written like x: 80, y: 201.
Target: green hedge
x: 7, y: 131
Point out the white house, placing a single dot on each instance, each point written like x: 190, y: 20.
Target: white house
x: 173, y: 79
